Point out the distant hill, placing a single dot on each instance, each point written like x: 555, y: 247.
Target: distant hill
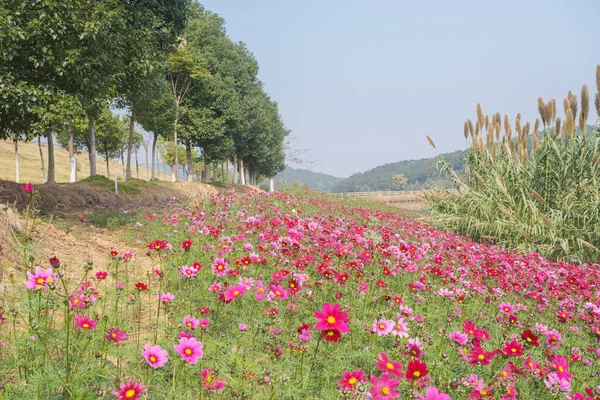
x: 314, y: 180
x: 419, y: 173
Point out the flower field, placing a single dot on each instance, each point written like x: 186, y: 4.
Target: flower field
x: 275, y: 296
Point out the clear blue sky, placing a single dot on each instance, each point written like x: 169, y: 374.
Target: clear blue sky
x: 360, y: 83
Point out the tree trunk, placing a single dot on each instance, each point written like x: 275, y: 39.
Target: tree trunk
x: 130, y: 146
x: 72, y: 159
x: 272, y: 184
x: 154, y: 163
x: 42, y: 158
x: 247, y: 177
x: 51, y: 178
x: 224, y: 172
x: 17, y: 161
x: 242, y: 174
x: 175, y: 142
x: 188, y: 155
x: 206, y: 172
x: 137, y: 166
x: 215, y: 172
x: 147, y: 161
x: 122, y: 162
x: 235, y: 170
x: 107, y: 164
x: 92, y: 147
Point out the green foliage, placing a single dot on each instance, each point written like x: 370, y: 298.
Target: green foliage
x: 314, y: 180
x: 546, y: 201
x: 418, y: 173
x: 131, y: 187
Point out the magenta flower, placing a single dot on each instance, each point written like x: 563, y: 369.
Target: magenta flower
x: 331, y: 318
x: 130, y: 391
x: 155, y: 356
x: 27, y: 188
x: 351, y: 380
x: 39, y: 279
x: 189, y: 349
x: 84, y: 322
x: 191, y: 322
x: 116, y: 335
x: 210, y: 382
x: 506, y: 308
x: 235, y: 291
x: 459, y: 337
x: 434, y: 393
x: 383, y: 327
x: 384, y: 388
x: 259, y: 291
x: 167, y: 298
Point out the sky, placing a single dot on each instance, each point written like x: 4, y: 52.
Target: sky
x: 360, y: 83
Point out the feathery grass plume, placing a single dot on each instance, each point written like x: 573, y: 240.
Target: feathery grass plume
x: 489, y: 140
x: 506, y: 125
x: 497, y: 129
x: 498, y: 118
x: 526, y: 129
x: 566, y: 104
x: 569, y: 124
x: 471, y: 128
x: 518, y: 126
x: 597, y: 103
x: 582, y: 127
x: 536, y: 126
x: 431, y: 142
x: 598, y: 78
x: 487, y: 121
x: 585, y: 102
x: 542, y: 111
x: 535, y: 141
x: 573, y: 104
x: 466, y: 130
x: 552, y: 103
x: 557, y: 127
x: 479, y: 113
x: 477, y: 128
x: 519, y: 116
x: 494, y: 151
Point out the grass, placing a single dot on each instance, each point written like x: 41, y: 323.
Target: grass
x: 132, y: 186
x: 30, y: 167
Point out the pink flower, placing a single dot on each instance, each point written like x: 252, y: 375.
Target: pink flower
x: 384, y: 388
x: 434, y: 393
x: 39, y: 280
x: 189, y: 349
x: 130, y: 390
x: 331, y: 318
x: 211, y: 383
x: 242, y: 327
x: 204, y: 323
x: 506, y: 308
x: 187, y: 271
x: 459, y: 337
x: 278, y: 292
x: 219, y: 267
x: 554, y: 383
x: 386, y: 365
x: 167, y: 298
x: 190, y: 322
x: 383, y: 327
x: 116, y: 335
x: 400, y: 328
x: 155, y: 356
x: 27, y: 188
x: 233, y: 292
x: 351, y: 380
x: 259, y: 291
x: 84, y: 322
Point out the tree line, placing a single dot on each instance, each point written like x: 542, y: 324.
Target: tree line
x: 65, y: 65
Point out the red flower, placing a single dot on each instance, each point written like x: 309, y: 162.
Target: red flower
x: 386, y: 365
x: 158, y: 245
x: 141, y: 286
x: 331, y: 335
x: 331, y: 318
x: 513, y: 349
x: 54, y: 262
x: 114, y: 253
x: 100, y: 275
x: 186, y: 245
x: 27, y: 188
x: 416, y: 370
x: 530, y: 338
x: 479, y: 356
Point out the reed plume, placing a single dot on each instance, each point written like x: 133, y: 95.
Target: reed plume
x: 466, y: 130
x: 479, y: 113
x: 585, y: 102
x: 431, y: 142
x: 471, y: 128
x: 557, y: 127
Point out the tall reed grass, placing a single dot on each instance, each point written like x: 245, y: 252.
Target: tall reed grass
x: 533, y: 188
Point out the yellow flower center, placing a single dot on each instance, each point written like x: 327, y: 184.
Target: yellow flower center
x: 481, y: 356
x: 417, y: 374
x: 331, y: 320
x: 560, y: 368
x: 41, y: 280
x: 513, y: 350
x: 483, y: 392
x: 113, y: 335
x: 188, y: 351
x: 236, y: 293
x: 352, y: 381
x: 385, y: 390
x: 278, y: 293
x: 330, y: 333
x: 152, y: 359
x: 389, y: 365
x: 130, y: 393
x: 86, y: 325
x: 381, y: 326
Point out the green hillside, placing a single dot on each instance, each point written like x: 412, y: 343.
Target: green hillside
x: 314, y: 180
x: 419, y: 173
